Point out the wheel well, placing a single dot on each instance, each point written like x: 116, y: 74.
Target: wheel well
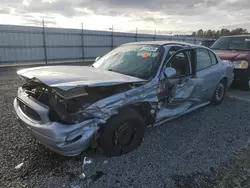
x: 225, y: 80
x: 144, y: 109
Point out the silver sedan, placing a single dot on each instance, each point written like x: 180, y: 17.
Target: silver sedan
x: 111, y: 103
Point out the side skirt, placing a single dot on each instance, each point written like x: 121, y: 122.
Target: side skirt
x: 188, y: 111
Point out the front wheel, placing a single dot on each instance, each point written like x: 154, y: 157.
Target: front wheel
x: 219, y: 93
x: 122, y: 133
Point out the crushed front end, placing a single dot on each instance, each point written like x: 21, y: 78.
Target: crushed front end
x: 52, y: 121
x: 64, y: 121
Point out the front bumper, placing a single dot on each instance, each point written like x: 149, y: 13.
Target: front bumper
x: 242, y: 75
x: 68, y: 140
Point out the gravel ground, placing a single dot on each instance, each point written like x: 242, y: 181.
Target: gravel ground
x: 191, y: 151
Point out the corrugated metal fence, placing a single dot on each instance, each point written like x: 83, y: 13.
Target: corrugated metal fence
x: 39, y: 44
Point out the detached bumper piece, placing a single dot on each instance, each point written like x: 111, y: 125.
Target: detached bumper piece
x: 68, y: 140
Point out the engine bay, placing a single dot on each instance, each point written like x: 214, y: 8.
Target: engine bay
x: 68, y: 106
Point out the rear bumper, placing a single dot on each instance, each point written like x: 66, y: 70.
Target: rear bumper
x: 68, y: 140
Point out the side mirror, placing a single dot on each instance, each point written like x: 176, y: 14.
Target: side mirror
x: 96, y: 59
x: 169, y: 72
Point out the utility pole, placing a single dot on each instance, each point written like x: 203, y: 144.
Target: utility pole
x: 82, y: 36
x: 44, y: 44
x: 136, y: 35
x: 112, y: 36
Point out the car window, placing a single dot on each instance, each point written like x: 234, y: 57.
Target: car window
x: 232, y: 43
x: 171, y: 51
x: 141, y: 61
x: 180, y: 63
x: 213, y: 58
x: 207, y: 43
x: 239, y: 44
x: 203, y: 59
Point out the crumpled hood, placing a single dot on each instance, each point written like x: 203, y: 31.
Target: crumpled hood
x: 233, y: 55
x: 69, y: 77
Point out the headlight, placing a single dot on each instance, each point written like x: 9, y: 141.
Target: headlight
x: 240, y: 64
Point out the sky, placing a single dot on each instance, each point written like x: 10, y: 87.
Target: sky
x: 164, y: 16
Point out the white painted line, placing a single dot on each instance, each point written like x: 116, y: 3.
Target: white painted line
x: 239, y: 98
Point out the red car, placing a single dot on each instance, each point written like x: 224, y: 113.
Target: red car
x: 236, y: 48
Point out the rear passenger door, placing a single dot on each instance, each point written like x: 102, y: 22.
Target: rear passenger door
x: 207, y: 70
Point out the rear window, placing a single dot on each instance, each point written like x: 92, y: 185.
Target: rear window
x: 232, y: 43
x: 213, y: 58
x: 203, y: 59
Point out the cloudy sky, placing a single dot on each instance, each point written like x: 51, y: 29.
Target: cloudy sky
x: 127, y: 15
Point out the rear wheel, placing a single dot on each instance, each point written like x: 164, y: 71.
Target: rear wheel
x: 122, y: 133
x: 219, y: 93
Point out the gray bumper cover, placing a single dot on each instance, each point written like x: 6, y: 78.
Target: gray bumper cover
x: 68, y: 140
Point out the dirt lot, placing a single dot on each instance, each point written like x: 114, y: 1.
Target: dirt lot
x: 207, y: 148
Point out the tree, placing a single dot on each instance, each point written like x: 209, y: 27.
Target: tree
x: 200, y: 33
x: 238, y: 31
x: 216, y: 34
x: 209, y: 33
x: 224, y: 32
x: 194, y: 34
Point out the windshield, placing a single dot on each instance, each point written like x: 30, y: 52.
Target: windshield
x: 232, y: 43
x: 207, y: 43
x: 141, y: 61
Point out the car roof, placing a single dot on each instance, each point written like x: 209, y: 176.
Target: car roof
x: 161, y: 43
x: 209, y: 40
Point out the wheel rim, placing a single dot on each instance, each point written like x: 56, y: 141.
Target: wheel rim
x: 124, y: 135
x: 219, y: 93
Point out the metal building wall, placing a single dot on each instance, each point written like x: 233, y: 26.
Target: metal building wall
x: 32, y: 44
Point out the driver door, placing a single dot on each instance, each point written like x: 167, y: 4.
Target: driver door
x: 179, y: 92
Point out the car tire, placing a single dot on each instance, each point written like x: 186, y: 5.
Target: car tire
x: 219, y: 93
x: 122, y: 133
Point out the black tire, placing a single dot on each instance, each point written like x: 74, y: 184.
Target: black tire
x: 219, y: 93
x: 112, y: 140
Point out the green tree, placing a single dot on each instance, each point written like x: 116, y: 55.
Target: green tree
x: 238, y: 31
x: 224, y: 32
x: 216, y: 34
x: 200, y: 33
x: 209, y: 33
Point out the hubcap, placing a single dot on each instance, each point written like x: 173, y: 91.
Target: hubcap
x: 219, y: 93
x: 124, y: 134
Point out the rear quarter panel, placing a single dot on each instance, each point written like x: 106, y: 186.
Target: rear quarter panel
x: 212, y: 76
x: 229, y: 71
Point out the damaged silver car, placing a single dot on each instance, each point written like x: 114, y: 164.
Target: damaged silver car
x: 112, y: 102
